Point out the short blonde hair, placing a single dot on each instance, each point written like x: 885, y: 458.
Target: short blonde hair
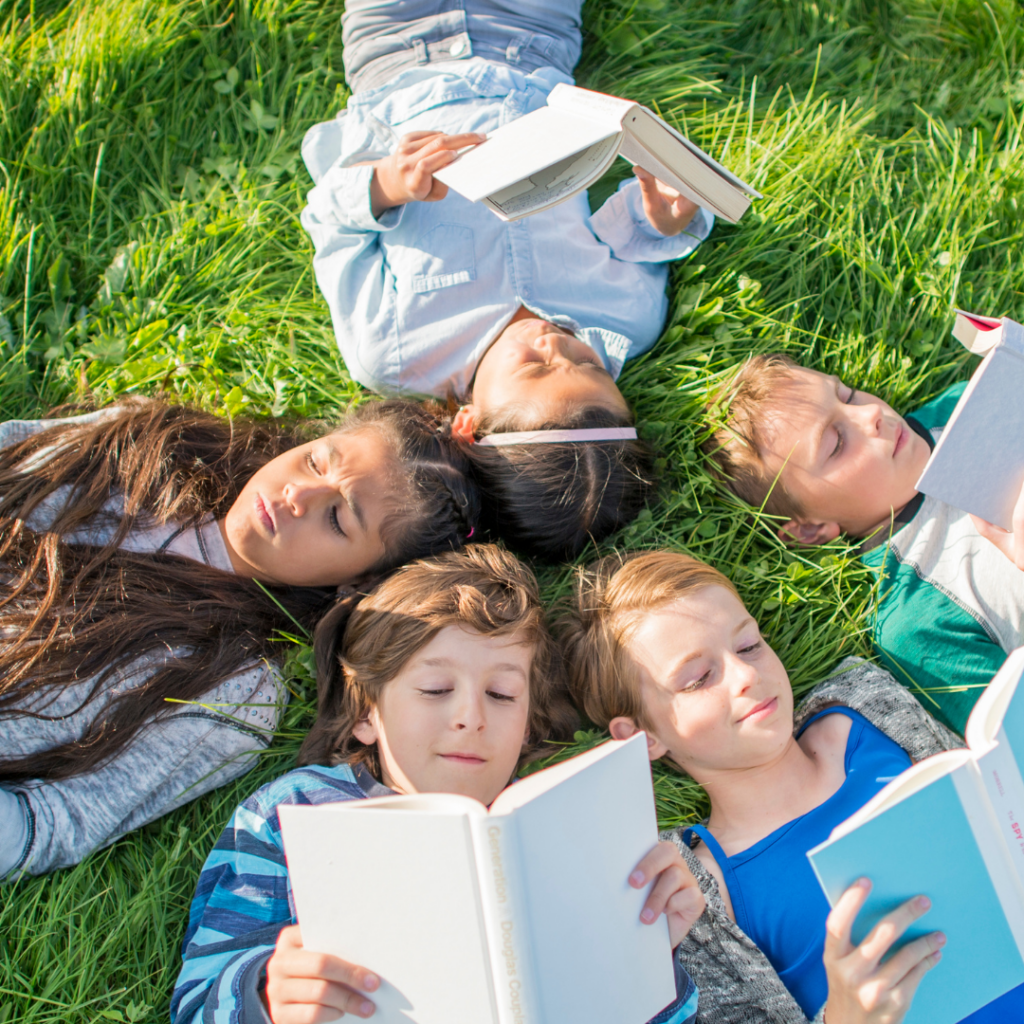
x: 359, y: 650
x: 737, y: 415
x: 612, y: 596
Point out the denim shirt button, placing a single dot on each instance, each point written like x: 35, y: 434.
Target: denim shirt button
x: 457, y: 47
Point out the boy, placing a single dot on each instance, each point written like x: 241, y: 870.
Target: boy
x: 432, y: 294
x: 829, y: 459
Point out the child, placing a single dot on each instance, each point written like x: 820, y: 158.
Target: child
x: 661, y: 642
x: 154, y: 557
x: 448, y: 680
x: 527, y: 324
x: 829, y: 459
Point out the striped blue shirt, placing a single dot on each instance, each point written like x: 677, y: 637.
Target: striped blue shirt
x: 243, y: 900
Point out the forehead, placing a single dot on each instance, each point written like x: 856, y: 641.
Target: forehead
x: 800, y: 402
x: 459, y: 645
x: 685, y: 625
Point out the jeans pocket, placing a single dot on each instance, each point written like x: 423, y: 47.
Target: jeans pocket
x: 444, y: 256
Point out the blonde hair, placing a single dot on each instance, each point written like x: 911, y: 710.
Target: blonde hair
x: 736, y: 416
x: 359, y: 651
x: 612, y: 597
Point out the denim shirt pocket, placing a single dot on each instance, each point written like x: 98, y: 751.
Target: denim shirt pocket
x: 444, y: 256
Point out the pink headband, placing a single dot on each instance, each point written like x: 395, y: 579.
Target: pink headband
x: 555, y: 436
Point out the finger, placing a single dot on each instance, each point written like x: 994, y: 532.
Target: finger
x: 438, y: 190
x: 670, y: 881
x: 318, y: 992
x: 657, y: 858
x: 891, y: 928
x: 839, y: 922
x: 996, y: 534
x: 444, y: 143
x: 304, y: 963
x: 909, y: 957
x: 417, y: 140
x: 683, y: 909
x: 435, y: 161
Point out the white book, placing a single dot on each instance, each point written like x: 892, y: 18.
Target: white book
x: 551, y: 154
x: 978, y: 463
x: 950, y: 827
x: 521, y: 914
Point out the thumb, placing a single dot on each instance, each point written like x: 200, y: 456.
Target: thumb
x: 996, y: 534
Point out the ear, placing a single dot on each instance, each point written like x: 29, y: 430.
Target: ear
x: 366, y: 729
x: 623, y: 728
x: 804, y: 531
x: 464, y: 423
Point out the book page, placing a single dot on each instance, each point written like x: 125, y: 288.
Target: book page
x: 522, y: 148
x: 578, y: 843
x: 556, y: 183
x: 395, y: 891
x: 978, y: 464
x: 588, y: 103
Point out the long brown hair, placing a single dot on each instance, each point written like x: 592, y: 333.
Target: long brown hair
x: 71, y: 612
x: 362, y: 648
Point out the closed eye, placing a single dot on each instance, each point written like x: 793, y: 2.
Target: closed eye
x: 335, y: 524
x: 502, y: 698
x: 435, y: 693
x: 312, y: 463
x: 752, y: 648
x: 697, y: 683
x: 839, y: 443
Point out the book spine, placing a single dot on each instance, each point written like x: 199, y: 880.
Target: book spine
x: 505, y: 920
x: 972, y: 789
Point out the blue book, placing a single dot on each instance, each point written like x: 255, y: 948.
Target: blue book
x: 950, y: 827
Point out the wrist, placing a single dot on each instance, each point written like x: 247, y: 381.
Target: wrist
x: 382, y: 196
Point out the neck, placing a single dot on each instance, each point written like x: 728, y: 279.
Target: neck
x: 885, y: 524
x: 749, y: 803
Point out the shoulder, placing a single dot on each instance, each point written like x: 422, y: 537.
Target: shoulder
x: 936, y: 412
x: 890, y: 707
x: 313, y: 784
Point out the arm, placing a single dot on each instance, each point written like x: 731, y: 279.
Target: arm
x: 935, y: 648
x: 239, y: 931
x: 170, y: 763
x: 624, y: 223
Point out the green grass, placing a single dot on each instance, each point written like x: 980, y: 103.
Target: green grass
x: 150, y: 188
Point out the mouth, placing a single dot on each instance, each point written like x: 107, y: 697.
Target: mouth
x: 901, y: 440
x: 469, y: 760
x: 763, y: 710
x: 264, y: 516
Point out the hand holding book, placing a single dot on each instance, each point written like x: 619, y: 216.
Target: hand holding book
x: 407, y: 175
x: 667, y: 210
x: 1009, y: 542
x: 862, y: 989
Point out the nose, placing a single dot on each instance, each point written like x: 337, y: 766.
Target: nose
x: 468, y: 713
x: 553, y: 346
x: 302, y: 495
x: 740, y: 674
x: 872, y: 417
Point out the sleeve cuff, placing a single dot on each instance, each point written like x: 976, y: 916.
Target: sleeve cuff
x: 683, y: 1009
x: 251, y: 982
x: 622, y: 226
x: 343, y: 197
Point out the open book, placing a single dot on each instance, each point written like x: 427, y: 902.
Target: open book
x: 950, y: 827
x: 518, y: 915
x: 552, y: 153
x: 978, y: 464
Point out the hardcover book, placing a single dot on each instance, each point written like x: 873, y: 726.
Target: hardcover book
x: 520, y: 914
x: 552, y: 153
x: 950, y: 827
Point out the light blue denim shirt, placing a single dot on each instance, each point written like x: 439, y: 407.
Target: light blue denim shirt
x: 418, y: 296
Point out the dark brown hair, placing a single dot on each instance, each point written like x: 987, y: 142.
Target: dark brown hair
x: 551, y: 500
x: 360, y: 647
x: 611, y: 598
x: 71, y: 612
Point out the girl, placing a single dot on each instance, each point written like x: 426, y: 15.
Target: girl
x: 528, y: 323
x: 153, y: 558
x: 447, y: 681
x: 662, y: 642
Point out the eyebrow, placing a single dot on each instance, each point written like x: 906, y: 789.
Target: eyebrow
x: 442, y: 662
x: 347, y: 496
